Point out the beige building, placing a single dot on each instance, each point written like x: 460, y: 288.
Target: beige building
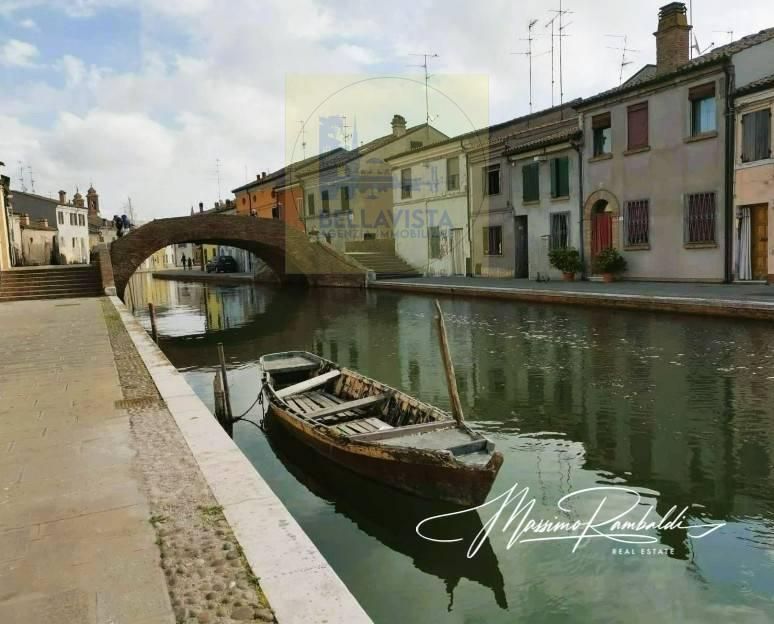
x: 657, y: 164
x: 754, y: 182
x: 347, y: 197
x: 36, y: 241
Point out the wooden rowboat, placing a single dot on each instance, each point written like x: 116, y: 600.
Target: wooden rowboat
x: 377, y: 431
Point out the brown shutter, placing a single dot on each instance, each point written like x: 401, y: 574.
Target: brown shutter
x: 601, y: 121
x: 637, y: 126
x: 702, y: 91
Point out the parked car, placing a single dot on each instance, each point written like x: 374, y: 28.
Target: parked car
x: 222, y: 264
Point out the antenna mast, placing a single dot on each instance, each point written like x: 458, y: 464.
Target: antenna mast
x: 32, y: 180
x: 624, y: 49
x: 303, y: 138
x: 217, y: 175
x: 560, y: 13
x: 424, y: 65
x: 528, y: 54
x: 21, y: 176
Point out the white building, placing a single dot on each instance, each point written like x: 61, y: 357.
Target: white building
x: 430, y: 208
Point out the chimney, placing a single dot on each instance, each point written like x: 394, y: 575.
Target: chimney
x: 398, y: 125
x: 43, y: 222
x: 263, y: 175
x: 673, y: 38
x: 24, y: 220
x: 201, y: 206
x: 63, y: 198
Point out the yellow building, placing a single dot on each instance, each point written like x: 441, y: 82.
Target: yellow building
x: 5, y: 225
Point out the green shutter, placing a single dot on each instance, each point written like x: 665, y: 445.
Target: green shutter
x: 554, y: 190
x: 531, y: 182
x: 564, y: 177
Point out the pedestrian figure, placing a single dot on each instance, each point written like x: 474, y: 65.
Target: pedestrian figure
x: 125, y: 222
x: 190, y: 264
x: 119, y: 225
x: 183, y: 259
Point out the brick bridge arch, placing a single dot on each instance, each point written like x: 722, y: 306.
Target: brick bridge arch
x: 286, y: 250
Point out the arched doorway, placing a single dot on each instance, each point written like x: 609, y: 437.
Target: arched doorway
x: 601, y: 227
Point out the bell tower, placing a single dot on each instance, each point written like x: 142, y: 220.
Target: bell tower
x: 92, y: 201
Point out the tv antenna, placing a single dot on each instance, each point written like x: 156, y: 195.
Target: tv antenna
x: 21, y: 176
x: 32, y: 180
x: 344, y: 128
x: 624, y: 59
x: 303, y: 138
x: 217, y: 175
x: 730, y: 34
x: 529, y: 39
x: 557, y: 30
x: 696, y: 47
x: 425, y: 56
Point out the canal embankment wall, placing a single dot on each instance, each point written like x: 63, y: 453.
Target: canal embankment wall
x: 298, y: 582
x: 722, y: 300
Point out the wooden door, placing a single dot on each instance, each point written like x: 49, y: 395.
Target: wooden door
x: 601, y: 232
x: 759, y: 241
x: 522, y: 254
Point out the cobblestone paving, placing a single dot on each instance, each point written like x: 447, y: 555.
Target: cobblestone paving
x: 208, y: 578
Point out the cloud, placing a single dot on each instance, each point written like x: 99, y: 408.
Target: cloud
x: 28, y: 24
x: 17, y: 53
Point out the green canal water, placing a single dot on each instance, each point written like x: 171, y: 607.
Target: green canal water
x: 679, y: 409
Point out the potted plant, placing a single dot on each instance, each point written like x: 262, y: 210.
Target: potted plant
x: 567, y: 260
x: 609, y: 263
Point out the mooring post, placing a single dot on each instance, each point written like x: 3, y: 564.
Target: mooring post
x: 220, y: 405
x: 226, y: 392
x: 152, y: 313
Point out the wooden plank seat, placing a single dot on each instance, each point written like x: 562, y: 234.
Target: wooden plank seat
x: 308, y: 384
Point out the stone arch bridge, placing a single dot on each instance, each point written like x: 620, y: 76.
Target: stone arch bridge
x: 286, y: 250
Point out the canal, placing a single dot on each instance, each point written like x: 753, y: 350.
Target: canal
x: 677, y: 408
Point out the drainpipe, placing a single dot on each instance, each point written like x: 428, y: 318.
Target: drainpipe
x: 578, y: 146
x: 728, y: 70
x: 468, y: 273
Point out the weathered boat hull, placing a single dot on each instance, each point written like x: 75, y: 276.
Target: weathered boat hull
x: 420, y: 472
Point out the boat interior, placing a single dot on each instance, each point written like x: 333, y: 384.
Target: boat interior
x: 364, y: 410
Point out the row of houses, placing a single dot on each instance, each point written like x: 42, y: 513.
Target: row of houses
x: 673, y: 168
x: 37, y: 230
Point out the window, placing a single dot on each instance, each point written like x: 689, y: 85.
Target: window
x: 700, y: 218
x: 560, y: 177
x: 60, y: 217
x: 637, y: 126
x: 73, y: 219
x: 81, y: 220
x: 326, y: 202
x: 493, y: 240
x: 560, y: 230
x: 601, y: 129
x: 405, y: 183
x: 310, y: 204
x: 492, y: 180
x: 756, y: 135
x: 703, y: 117
x: 276, y: 211
x: 345, y: 198
x: 434, y: 234
x: 74, y: 243
x: 416, y: 144
x: 636, y: 223
x: 453, y: 174
x: 530, y: 175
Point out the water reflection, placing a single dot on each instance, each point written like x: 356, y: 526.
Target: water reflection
x: 677, y: 407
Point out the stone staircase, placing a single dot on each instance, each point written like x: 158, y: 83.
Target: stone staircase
x: 385, y: 264
x: 52, y: 282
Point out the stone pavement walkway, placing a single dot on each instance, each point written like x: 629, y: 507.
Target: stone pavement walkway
x: 75, y: 541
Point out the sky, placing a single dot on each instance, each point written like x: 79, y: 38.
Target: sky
x: 176, y: 102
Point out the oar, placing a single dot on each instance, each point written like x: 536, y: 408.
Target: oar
x: 451, y: 380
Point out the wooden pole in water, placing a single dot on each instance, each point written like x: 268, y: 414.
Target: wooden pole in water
x: 152, y: 313
x: 222, y: 359
x: 451, y: 380
x: 220, y: 405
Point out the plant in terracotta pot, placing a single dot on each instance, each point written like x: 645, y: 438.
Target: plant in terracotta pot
x: 609, y: 263
x: 567, y: 260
